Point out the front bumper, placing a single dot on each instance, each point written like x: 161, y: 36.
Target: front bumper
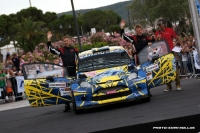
x: 92, y: 104
x: 134, y: 91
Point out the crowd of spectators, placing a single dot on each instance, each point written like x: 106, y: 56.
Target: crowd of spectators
x: 185, y: 58
x: 12, y: 66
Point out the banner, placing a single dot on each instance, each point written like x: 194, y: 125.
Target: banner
x: 20, y: 83
x: 196, y: 60
x: 93, y: 31
x: 198, y: 6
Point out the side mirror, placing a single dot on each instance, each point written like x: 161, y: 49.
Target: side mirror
x: 130, y: 68
x: 82, y: 76
x: 155, y: 57
x: 50, y: 78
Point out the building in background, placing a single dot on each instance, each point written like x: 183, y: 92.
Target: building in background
x: 8, y: 48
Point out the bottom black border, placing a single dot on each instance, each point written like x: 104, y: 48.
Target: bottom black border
x: 178, y: 125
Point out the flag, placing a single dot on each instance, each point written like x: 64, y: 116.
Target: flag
x: 20, y: 83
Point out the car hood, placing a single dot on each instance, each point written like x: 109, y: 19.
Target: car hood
x: 103, y: 75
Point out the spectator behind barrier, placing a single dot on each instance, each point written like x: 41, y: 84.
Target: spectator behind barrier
x: 8, y: 63
x: 9, y: 91
x: 2, y: 85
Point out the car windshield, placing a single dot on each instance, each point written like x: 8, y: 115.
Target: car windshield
x: 103, y: 61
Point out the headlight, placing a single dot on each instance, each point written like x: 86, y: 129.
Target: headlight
x: 132, y: 76
x: 85, y: 85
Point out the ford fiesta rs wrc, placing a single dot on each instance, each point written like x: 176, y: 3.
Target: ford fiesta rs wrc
x: 105, y: 75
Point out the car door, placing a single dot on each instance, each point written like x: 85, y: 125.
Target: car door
x: 158, y: 64
x: 46, y: 84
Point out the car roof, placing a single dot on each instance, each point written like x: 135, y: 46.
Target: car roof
x: 111, y: 48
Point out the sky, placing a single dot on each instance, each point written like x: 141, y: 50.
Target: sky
x: 58, y: 6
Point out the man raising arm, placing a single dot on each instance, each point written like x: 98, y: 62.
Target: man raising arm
x: 68, y: 55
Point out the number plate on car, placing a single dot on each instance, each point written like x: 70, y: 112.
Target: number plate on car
x: 111, y: 92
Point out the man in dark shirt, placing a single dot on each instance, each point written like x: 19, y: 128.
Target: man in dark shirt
x: 139, y: 41
x: 68, y: 55
x: 16, y: 61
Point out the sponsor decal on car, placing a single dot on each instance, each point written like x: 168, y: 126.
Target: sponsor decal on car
x: 152, y: 67
x: 57, y: 84
x: 111, y: 92
x: 65, y: 91
x: 91, y: 74
x: 149, y: 75
x: 84, y: 55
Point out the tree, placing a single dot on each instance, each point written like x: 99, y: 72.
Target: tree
x: 113, y: 28
x: 49, y: 17
x: 68, y: 25
x: 100, y: 19
x: 33, y: 12
x: 6, y: 28
x: 3, y: 29
x: 146, y: 11
x: 30, y: 34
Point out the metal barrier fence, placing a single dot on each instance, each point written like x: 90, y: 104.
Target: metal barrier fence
x: 16, y: 95
x: 186, y: 65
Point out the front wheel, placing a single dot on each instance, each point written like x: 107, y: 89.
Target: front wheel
x: 74, y: 105
x: 147, y: 99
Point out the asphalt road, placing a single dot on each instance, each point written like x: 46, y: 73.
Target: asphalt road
x: 163, y: 105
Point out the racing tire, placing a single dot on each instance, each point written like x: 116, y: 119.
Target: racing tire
x: 74, y: 105
x: 147, y: 99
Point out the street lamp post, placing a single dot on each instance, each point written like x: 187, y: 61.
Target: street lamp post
x: 82, y: 31
x: 193, y: 4
x: 61, y: 27
x: 129, y: 20
x: 69, y: 27
x: 30, y: 3
x: 76, y: 24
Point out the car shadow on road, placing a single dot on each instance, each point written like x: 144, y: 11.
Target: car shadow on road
x: 112, y: 106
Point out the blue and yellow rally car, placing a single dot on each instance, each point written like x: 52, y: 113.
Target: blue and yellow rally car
x: 104, y: 75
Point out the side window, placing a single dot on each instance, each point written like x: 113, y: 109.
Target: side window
x: 159, y: 48
x: 42, y: 70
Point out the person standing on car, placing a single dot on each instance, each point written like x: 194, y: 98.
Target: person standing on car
x: 139, y: 41
x: 168, y: 34
x: 68, y: 55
